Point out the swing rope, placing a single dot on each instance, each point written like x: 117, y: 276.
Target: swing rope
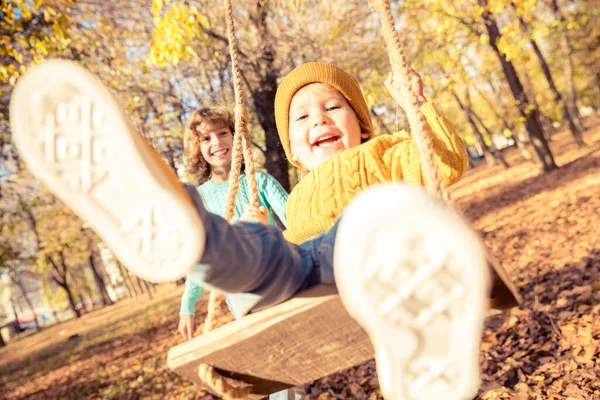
x: 241, y: 148
x: 433, y: 177
x: 231, y: 389
x: 419, y: 130
x: 242, y: 140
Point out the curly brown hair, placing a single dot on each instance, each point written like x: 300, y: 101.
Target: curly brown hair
x: 195, y: 164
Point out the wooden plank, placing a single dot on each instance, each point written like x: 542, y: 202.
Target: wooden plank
x: 303, y: 339
x: 504, y: 293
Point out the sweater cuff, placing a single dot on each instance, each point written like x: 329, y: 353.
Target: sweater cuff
x: 430, y: 111
x: 187, y: 308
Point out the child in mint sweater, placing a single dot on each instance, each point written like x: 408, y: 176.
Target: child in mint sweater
x: 208, y: 144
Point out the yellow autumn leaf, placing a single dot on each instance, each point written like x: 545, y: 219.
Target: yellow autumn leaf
x: 191, y: 51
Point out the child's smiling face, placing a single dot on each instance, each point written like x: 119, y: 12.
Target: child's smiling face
x: 216, y: 143
x: 322, y: 125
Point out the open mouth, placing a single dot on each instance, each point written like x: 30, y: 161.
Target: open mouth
x: 220, y: 153
x: 327, y: 140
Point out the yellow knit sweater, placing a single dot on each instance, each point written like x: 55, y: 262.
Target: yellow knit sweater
x: 319, y: 198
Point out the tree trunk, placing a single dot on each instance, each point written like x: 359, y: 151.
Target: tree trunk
x: 558, y: 98
x: 275, y: 160
x: 487, y: 154
x: 135, y: 285
x: 566, y: 114
x: 531, y: 116
x: 507, y: 125
x: 139, y: 284
x: 565, y: 46
x: 263, y: 95
x: 27, y: 208
x: 547, y: 127
x: 60, y: 277
x: 493, y: 149
x: 55, y: 314
x: 523, y: 148
x: 14, y: 307
x: 106, y: 300
x: 594, y: 80
x: 569, y: 81
x: 545, y: 122
x: 126, y: 280
x: 19, y: 283
x: 490, y: 153
x: 471, y: 164
x: 89, y: 290
x: 148, y: 289
x: 81, y: 300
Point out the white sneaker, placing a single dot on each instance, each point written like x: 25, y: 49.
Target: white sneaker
x: 74, y: 137
x: 415, y: 277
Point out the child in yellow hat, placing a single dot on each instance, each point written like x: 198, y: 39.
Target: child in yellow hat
x: 408, y: 269
x: 321, y: 114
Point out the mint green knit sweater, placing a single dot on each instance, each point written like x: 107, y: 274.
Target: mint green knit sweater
x: 271, y: 195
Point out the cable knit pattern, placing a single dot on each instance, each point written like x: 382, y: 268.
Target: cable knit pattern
x: 271, y: 195
x: 319, y: 198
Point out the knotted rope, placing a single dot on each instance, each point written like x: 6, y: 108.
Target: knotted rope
x: 507, y: 293
x: 222, y: 386
x: 402, y: 74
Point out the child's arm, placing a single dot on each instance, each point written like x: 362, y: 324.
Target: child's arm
x: 449, y: 149
x: 186, y: 326
x: 191, y: 295
x: 275, y: 195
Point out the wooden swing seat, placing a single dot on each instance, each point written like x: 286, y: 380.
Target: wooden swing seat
x: 306, y: 338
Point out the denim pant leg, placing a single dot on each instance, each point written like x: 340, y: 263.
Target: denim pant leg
x: 321, y: 249
x: 256, y: 263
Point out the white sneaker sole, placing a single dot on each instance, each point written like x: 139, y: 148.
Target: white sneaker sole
x: 74, y: 137
x: 415, y: 277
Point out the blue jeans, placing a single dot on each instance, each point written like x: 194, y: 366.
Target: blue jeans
x: 255, y: 266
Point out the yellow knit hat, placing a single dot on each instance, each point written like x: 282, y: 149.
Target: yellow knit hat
x: 317, y: 72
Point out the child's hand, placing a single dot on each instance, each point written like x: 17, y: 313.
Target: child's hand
x: 186, y: 326
x: 253, y: 214
x: 402, y: 98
